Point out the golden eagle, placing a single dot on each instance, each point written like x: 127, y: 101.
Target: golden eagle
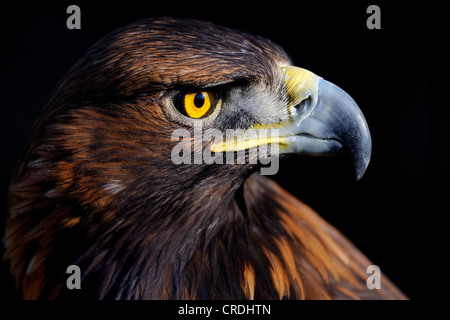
x: 97, y: 186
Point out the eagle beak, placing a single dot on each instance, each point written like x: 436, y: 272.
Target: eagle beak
x: 326, y: 120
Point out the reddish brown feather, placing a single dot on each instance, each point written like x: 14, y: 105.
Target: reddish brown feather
x: 248, y: 282
x: 337, y: 266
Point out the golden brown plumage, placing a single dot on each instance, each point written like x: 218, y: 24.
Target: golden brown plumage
x: 97, y: 188
x: 317, y: 257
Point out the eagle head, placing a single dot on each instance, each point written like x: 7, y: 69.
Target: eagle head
x: 126, y: 173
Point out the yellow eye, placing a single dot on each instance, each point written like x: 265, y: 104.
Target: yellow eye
x: 198, y: 104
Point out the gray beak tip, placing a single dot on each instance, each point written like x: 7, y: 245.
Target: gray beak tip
x: 361, y: 166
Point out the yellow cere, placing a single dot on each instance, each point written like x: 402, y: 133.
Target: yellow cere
x: 299, y: 83
x: 197, y: 104
x: 276, y: 125
x: 246, y: 144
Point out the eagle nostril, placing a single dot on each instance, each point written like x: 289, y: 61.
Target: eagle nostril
x: 304, y: 105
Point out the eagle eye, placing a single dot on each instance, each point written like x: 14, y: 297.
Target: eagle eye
x: 196, y: 104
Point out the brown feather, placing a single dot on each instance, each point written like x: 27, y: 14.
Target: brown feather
x: 337, y: 264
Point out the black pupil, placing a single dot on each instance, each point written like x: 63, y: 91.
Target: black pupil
x: 199, y: 100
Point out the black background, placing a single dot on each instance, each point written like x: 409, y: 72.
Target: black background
x: 386, y: 214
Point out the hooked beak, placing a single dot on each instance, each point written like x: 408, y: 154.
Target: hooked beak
x: 325, y: 120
